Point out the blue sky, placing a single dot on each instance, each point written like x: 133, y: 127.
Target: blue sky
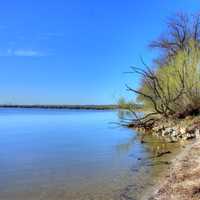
x: 75, y: 52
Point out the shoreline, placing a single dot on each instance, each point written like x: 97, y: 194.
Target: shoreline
x: 74, y: 107
x: 182, y: 180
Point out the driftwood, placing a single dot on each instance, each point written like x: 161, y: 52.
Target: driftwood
x: 159, y: 154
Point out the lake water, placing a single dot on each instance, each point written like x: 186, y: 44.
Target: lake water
x: 73, y: 155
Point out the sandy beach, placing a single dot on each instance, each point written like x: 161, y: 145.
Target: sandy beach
x: 182, y: 180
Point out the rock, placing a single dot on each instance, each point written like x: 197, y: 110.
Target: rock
x: 174, y: 133
x: 188, y: 136
x: 182, y: 130
x: 197, y: 133
x: 174, y: 139
x: 165, y: 133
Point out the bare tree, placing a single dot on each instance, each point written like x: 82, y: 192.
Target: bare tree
x: 172, y: 88
x: 159, y: 95
x: 181, y: 29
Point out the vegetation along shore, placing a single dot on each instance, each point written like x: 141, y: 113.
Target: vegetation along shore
x: 169, y: 96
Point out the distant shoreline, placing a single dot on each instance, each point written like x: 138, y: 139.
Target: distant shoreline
x: 76, y: 107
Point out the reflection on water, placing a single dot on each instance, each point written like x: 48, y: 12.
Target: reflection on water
x: 126, y: 115
x: 147, y: 169
x: 126, y: 146
x: 122, y: 114
x: 61, y: 154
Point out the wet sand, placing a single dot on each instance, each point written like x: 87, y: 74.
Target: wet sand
x: 182, y: 180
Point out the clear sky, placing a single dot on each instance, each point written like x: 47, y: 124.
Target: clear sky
x: 75, y: 51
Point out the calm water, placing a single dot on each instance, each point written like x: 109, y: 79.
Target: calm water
x: 72, y: 155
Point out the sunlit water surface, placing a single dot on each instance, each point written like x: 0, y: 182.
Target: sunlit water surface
x: 73, y: 155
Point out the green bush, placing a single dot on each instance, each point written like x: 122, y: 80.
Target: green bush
x: 175, y: 86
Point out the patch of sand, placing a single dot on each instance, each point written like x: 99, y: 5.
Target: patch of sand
x: 183, y: 180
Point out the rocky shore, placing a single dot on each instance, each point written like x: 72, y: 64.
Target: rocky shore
x: 182, y: 180
x: 174, y: 130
